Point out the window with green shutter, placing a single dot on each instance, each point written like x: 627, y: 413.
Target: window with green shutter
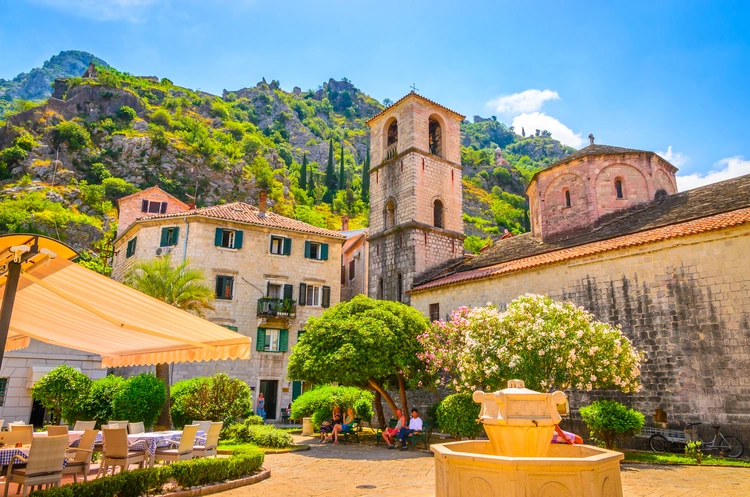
x: 296, y: 389
x: 260, y: 341
x: 302, y: 300
x: 283, y: 340
x: 131, y: 247
x: 169, y: 236
x: 288, y: 292
x: 323, y: 252
x: 287, y: 246
x: 228, y: 238
x: 278, y: 245
x: 317, y: 251
x: 232, y: 328
x: 326, y: 297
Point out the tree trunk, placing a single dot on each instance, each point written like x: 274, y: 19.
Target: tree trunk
x: 379, y: 409
x: 164, y: 422
x: 402, y: 392
x: 374, y: 384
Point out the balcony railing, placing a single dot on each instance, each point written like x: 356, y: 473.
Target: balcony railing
x: 390, y: 152
x: 277, y: 308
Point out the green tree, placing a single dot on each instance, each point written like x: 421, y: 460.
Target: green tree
x: 303, y: 173
x: 181, y: 286
x: 373, y: 344
x: 609, y: 419
x: 97, y: 405
x: 218, y: 398
x: 61, y: 391
x: 127, y: 114
x: 342, y: 177
x: 329, y: 168
x: 140, y: 399
x: 458, y: 415
x: 366, y: 177
x: 72, y: 134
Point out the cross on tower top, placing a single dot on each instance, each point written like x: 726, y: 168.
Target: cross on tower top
x: 414, y: 88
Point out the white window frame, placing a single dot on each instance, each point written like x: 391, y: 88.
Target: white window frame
x: 280, y: 294
x: 319, y: 251
x: 270, y: 341
x: 314, y: 297
x: 280, y: 245
x: 231, y: 236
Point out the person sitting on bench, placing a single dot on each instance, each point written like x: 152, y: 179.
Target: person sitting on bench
x: 389, y: 434
x: 415, y: 425
x: 348, y: 420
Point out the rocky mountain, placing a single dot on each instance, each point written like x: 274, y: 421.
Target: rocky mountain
x: 37, y: 83
x: 64, y: 163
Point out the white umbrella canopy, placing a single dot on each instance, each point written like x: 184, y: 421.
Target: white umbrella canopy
x: 62, y: 303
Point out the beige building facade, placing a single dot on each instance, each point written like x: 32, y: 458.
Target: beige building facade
x: 270, y: 274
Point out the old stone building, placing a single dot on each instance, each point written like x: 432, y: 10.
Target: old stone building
x: 354, y: 259
x: 415, y: 194
x: 611, y: 233
x: 270, y: 274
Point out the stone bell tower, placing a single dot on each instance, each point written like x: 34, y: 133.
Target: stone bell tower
x: 415, y: 194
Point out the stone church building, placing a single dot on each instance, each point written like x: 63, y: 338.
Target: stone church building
x: 609, y: 232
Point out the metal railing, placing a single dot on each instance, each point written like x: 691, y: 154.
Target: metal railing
x: 283, y: 308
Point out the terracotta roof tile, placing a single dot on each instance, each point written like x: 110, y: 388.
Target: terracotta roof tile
x: 694, y: 227
x: 245, y: 213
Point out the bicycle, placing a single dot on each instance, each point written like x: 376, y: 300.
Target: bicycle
x: 727, y: 446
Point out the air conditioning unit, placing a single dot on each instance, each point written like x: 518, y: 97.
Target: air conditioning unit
x: 163, y: 251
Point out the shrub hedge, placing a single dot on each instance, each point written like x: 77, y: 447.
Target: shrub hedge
x: 458, y: 414
x: 259, y: 434
x: 151, y: 481
x: 321, y: 400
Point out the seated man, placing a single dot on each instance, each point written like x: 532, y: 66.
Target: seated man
x: 389, y: 434
x: 415, y: 425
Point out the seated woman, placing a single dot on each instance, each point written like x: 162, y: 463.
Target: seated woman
x: 348, y: 420
x: 328, y: 426
x: 390, y: 433
x: 565, y: 437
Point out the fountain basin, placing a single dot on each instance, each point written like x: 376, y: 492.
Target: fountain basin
x: 472, y: 469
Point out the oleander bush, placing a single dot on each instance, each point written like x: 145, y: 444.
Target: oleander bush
x: 458, y: 415
x: 151, y: 481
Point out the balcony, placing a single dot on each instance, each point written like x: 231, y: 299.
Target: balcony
x: 390, y: 152
x: 277, y: 308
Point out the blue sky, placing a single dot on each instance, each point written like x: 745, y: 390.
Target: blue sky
x: 648, y: 75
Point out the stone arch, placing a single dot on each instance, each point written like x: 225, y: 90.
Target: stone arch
x: 380, y: 289
x: 635, y: 187
x: 438, y: 213
x: 389, y: 214
x: 390, y: 138
x: 662, y: 181
x: 435, y: 127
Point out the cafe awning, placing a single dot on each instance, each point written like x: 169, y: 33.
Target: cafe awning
x: 62, y: 303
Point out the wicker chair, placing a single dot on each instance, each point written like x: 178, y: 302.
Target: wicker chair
x: 135, y: 428
x: 204, y: 425
x: 117, y: 451
x: 43, y: 466
x: 211, y: 441
x: 11, y: 438
x: 80, y: 463
x: 118, y: 424
x: 25, y: 432
x: 56, y: 431
x: 84, y: 425
x: 184, y: 448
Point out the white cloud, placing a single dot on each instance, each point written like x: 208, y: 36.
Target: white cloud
x: 101, y: 10
x: 728, y: 168
x: 677, y: 159
x: 525, y: 101
x: 530, y: 122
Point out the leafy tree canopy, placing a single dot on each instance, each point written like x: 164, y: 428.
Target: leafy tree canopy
x: 61, y: 391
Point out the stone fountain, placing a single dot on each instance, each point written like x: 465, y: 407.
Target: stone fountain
x: 519, y: 459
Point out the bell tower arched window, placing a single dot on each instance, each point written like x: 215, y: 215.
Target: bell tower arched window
x: 390, y: 214
x: 438, y: 220
x: 399, y: 288
x: 391, y: 140
x: 567, y: 198
x: 436, y: 137
x: 380, y: 289
x: 618, y: 188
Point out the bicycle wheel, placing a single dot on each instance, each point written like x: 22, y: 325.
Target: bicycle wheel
x: 659, y: 443
x: 731, y: 447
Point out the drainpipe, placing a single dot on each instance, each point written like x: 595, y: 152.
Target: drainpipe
x: 187, y: 236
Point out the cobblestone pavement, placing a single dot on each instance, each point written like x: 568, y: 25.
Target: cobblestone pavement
x: 366, y: 470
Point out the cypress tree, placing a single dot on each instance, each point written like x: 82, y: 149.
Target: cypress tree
x: 342, y: 178
x: 366, y: 177
x: 329, y: 168
x: 311, y: 183
x: 303, y: 173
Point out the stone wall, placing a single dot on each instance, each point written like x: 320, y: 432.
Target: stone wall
x: 685, y: 302
x: 591, y: 183
x: 356, y: 285
x: 252, y: 267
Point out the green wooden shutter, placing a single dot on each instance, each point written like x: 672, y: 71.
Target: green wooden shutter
x: 326, y: 296
x: 287, y: 246
x: 268, y: 289
x: 302, y: 294
x: 135, y: 245
x: 283, y: 340
x: 260, y: 342
x: 232, y: 328
x: 164, y: 237
x: 323, y: 251
x: 288, y: 292
x: 175, y: 235
x: 217, y: 238
x: 238, y: 239
x: 307, y: 249
x: 296, y: 389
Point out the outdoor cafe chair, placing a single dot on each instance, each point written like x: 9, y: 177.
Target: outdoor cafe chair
x: 54, y: 431
x: 43, y: 466
x: 11, y: 438
x: 204, y: 425
x: 2, y: 421
x: 211, y: 441
x: 117, y: 451
x: 80, y: 463
x: 84, y: 425
x: 15, y: 423
x: 119, y: 424
x: 184, y: 448
x: 26, y: 430
x: 136, y: 428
